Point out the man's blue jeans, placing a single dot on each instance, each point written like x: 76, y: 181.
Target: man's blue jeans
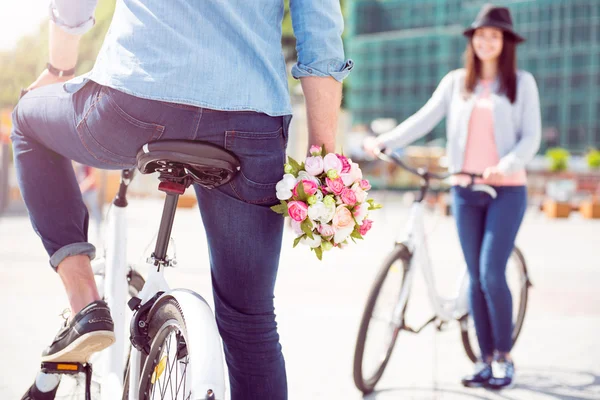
x: 104, y: 128
x: 487, y: 229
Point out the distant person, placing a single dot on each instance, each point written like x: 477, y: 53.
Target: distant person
x: 494, y: 128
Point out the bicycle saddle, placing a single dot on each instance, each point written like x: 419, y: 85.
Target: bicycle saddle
x: 188, y: 161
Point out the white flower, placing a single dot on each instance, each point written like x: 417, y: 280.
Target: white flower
x: 296, y: 227
x: 360, y: 213
x: 314, y: 165
x: 342, y: 234
x: 352, y: 176
x: 319, y: 195
x: 284, y: 187
x: 305, y: 176
x: 321, y: 212
x: 315, y: 242
x: 361, y: 195
x: 331, y: 161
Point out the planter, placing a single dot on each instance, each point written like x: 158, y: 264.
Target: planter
x: 590, y: 209
x: 557, y: 209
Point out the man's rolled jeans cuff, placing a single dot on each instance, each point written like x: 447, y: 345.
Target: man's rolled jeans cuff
x: 73, y: 249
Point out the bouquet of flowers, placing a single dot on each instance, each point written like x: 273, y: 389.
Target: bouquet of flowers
x: 326, y: 199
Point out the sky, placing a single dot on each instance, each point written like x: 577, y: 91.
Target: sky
x: 19, y: 18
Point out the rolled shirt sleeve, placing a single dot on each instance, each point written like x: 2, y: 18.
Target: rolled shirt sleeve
x: 73, y: 16
x: 318, y: 27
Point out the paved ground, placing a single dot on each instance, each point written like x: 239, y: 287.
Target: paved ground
x: 319, y: 306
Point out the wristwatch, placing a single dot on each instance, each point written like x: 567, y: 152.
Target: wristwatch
x: 59, y: 72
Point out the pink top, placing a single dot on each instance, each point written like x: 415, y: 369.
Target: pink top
x: 480, y: 151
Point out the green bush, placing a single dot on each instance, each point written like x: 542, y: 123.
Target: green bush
x: 593, y: 158
x: 559, y: 158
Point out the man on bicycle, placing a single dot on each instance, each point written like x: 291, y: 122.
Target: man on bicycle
x: 179, y: 69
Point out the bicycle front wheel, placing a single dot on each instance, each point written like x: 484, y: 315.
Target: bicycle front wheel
x: 518, y: 283
x: 166, y: 372
x: 382, y: 321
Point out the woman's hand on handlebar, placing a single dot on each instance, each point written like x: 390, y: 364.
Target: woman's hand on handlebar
x: 493, y: 174
x: 372, y: 146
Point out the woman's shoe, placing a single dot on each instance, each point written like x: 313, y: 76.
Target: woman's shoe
x: 503, y: 375
x: 482, y: 374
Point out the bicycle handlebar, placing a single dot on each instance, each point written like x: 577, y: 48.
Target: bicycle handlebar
x: 420, y: 172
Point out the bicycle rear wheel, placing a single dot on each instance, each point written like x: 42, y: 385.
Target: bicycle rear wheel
x: 379, y: 329
x: 165, y: 371
x: 518, y: 283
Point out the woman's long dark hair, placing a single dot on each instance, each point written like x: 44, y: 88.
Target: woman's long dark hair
x: 507, y: 68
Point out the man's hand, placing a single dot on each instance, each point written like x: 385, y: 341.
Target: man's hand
x: 46, y: 78
x: 493, y: 174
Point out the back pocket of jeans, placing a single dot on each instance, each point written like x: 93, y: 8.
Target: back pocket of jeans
x: 261, y: 155
x: 114, y: 133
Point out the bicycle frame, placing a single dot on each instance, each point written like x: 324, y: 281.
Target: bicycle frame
x: 415, y: 238
x: 205, y: 351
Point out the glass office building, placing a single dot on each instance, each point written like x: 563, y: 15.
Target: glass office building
x: 402, y: 48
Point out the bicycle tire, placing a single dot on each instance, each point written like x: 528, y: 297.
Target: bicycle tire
x: 523, y: 297
x: 366, y: 384
x: 164, y: 320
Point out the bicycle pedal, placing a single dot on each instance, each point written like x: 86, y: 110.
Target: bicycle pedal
x: 63, y: 368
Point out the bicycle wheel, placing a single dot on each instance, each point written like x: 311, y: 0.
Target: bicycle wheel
x: 518, y: 283
x: 379, y: 329
x: 165, y: 371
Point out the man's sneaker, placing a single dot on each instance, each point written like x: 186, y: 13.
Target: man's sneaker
x: 90, y: 331
x: 503, y: 375
x: 35, y: 394
x: 482, y: 374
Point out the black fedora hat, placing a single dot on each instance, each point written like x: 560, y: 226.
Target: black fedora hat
x: 497, y: 17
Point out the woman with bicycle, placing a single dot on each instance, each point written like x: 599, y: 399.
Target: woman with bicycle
x: 493, y: 128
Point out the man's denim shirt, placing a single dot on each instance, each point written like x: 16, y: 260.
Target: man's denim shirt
x: 217, y: 54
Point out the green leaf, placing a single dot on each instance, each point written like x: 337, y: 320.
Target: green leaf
x: 298, y: 239
x: 375, y: 207
x: 281, y: 208
x: 323, y: 152
x: 319, y: 253
x: 301, y: 193
x: 294, y: 165
x: 356, y: 234
x: 306, y: 226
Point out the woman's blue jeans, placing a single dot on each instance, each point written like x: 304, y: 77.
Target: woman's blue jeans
x: 487, y: 229
x: 104, y: 128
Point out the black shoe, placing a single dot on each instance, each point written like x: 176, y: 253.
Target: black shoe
x: 35, y: 394
x: 482, y: 374
x: 503, y: 375
x: 90, y: 331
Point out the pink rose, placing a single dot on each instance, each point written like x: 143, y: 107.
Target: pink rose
x: 342, y: 219
x: 365, y: 227
x: 314, y: 165
x: 348, y: 196
x: 335, y: 186
x: 315, y: 150
x: 331, y: 161
x: 355, y: 174
x: 326, y: 230
x: 364, y: 184
x: 298, y: 210
x: 345, y: 164
x: 310, y: 188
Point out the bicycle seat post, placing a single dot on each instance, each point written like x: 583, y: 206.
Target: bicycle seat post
x: 173, y: 190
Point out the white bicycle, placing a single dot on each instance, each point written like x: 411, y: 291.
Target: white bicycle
x: 174, y: 350
x: 384, y: 314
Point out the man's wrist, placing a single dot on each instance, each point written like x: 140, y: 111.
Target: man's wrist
x: 60, y: 72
